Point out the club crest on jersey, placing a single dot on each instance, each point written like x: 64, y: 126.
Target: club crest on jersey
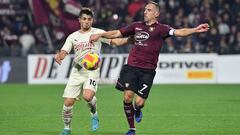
x: 141, y: 36
x: 151, y: 29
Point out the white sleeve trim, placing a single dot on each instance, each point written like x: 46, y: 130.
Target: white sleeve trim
x: 65, y: 50
x: 171, y: 32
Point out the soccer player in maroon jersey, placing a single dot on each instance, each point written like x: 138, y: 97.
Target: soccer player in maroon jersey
x: 137, y: 76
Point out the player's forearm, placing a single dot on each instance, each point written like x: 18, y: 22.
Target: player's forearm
x: 184, y: 32
x: 119, y: 41
x: 62, y: 54
x: 111, y: 34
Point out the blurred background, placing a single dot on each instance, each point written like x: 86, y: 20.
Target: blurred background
x: 41, y: 26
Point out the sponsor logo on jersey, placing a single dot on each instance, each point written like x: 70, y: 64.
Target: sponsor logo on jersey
x: 141, y: 36
x: 82, y: 46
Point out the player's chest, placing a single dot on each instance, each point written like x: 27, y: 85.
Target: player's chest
x: 80, y: 39
x: 146, y: 34
x: 79, y: 43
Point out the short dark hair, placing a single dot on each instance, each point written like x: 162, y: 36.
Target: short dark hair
x: 156, y: 4
x: 86, y: 11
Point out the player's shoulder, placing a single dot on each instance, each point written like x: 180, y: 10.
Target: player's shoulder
x: 73, y: 34
x: 138, y: 23
x: 162, y: 25
x: 97, y: 30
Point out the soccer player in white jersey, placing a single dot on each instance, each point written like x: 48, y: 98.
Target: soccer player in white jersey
x: 81, y: 79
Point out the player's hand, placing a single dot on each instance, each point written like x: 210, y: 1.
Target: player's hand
x: 202, y: 28
x: 94, y: 38
x: 57, y: 58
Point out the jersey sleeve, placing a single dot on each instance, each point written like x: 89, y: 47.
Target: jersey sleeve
x: 167, y: 31
x: 67, y: 45
x: 128, y: 30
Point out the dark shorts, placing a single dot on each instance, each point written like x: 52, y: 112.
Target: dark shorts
x: 136, y: 79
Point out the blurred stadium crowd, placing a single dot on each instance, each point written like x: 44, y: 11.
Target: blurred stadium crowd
x: 41, y: 26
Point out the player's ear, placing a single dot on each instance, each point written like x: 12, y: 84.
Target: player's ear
x: 157, y: 14
x: 92, y: 20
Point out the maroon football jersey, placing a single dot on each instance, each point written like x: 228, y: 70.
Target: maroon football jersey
x: 148, y: 41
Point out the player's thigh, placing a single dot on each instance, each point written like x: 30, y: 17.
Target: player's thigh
x: 127, y: 79
x: 74, y: 84
x: 91, y: 81
x: 145, y: 83
x: 91, y: 84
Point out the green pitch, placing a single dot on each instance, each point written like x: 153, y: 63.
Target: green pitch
x: 170, y: 110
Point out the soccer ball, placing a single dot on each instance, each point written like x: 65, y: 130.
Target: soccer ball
x: 91, y: 61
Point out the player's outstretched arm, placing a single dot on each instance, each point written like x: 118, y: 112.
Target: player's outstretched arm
x: 189, y: 31
x: 109, y: 34
x: 121, y: 41
x: 59, y: 56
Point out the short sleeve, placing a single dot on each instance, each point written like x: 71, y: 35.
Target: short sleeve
x: 67, y: 45
x: 167, y: 31
x: 128, y: 30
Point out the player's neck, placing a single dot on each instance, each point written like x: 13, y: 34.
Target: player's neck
x: 84, y: 30
x: 151, y: 22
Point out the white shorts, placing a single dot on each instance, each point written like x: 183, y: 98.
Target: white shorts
x: 80, y: 79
